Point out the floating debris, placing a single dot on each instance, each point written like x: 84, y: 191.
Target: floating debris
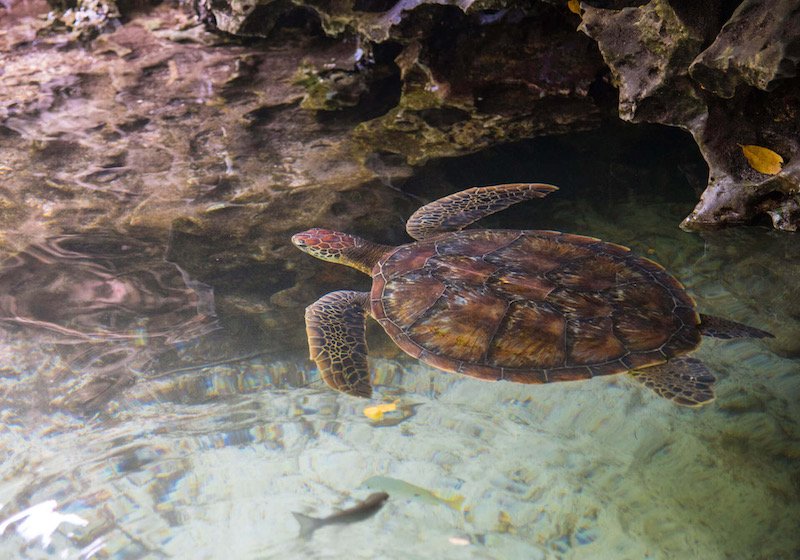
x: 376, y: 412
x: 504, y: 523
x: 459, y: 541
x: 762, y: 159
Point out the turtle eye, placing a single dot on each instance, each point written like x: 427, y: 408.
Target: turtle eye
x: 299, y: 240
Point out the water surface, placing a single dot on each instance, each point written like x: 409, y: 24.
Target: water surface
x: 149, y: 413
x: 211, y: 462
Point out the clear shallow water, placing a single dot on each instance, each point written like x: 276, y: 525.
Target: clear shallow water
x: 114, y: 445
x: 210, y: 462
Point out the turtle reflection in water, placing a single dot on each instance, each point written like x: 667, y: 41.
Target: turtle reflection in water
x: 523, y: 306
x: 105, y: 303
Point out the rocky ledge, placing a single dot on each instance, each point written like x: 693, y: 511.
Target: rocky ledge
x: 731, y: 83
x: 225, y: 127
x: 475, y: 73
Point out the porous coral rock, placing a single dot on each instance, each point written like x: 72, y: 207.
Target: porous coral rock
x: 759, y: 46
x: 650, y: 49
x: 469, y: 82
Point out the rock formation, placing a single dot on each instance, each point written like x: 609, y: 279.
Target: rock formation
x: 728, y: 78
x: 421, y: 79
x: 741, y: 90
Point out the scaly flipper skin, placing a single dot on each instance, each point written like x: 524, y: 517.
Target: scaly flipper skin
x: 337, y: 342
x: 717, y: 327
x: 458, y: 210
x: 685, y: 381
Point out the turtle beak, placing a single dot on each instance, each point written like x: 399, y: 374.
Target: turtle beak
x: 298, y: 241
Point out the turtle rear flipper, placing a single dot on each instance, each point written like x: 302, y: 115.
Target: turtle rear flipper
x: 685, y: 381
x: 717, y: 327
x: 460, y: 209
x: 335, y: 325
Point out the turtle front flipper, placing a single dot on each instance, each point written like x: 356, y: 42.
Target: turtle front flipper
x: 337, y: 341
x: 717, y: 327
x: 460, y: 209
x: 685, y: 381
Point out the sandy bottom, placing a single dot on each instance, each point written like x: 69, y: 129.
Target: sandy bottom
x: 210, y: 463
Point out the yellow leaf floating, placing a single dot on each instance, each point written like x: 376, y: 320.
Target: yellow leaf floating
x: 762, y: 159
x: 376, y: 412
x: 574, y: 6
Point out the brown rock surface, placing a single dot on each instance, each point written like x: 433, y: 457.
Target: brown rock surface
x: 420, y: 80
x: 759, y: 46
x: 655, y: 54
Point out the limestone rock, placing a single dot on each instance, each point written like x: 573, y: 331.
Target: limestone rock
x: 654, y: 52
x: 759, y: 46
x: 468, y: 83
x: 737, y: 193
x: 648, y: 49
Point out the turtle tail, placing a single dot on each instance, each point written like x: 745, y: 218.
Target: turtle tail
x: 717, y: 327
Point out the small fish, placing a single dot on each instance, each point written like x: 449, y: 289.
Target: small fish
x: 358, y: 512
x: 405, y: 489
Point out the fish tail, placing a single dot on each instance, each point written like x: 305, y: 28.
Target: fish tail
x: 308, y: 524
x: 456, y: 502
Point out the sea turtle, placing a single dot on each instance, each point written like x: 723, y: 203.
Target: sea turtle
x: 528, y: 306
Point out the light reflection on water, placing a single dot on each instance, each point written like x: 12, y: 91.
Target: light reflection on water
x: 103, y: 287
x: 114, y: 445
x: 41, y: 521
x: 100, y: 306
x: 209, y: 446
x: 212, y: 461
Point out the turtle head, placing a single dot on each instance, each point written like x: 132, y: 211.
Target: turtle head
x: 325, y: 244
x: 338, y: 247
